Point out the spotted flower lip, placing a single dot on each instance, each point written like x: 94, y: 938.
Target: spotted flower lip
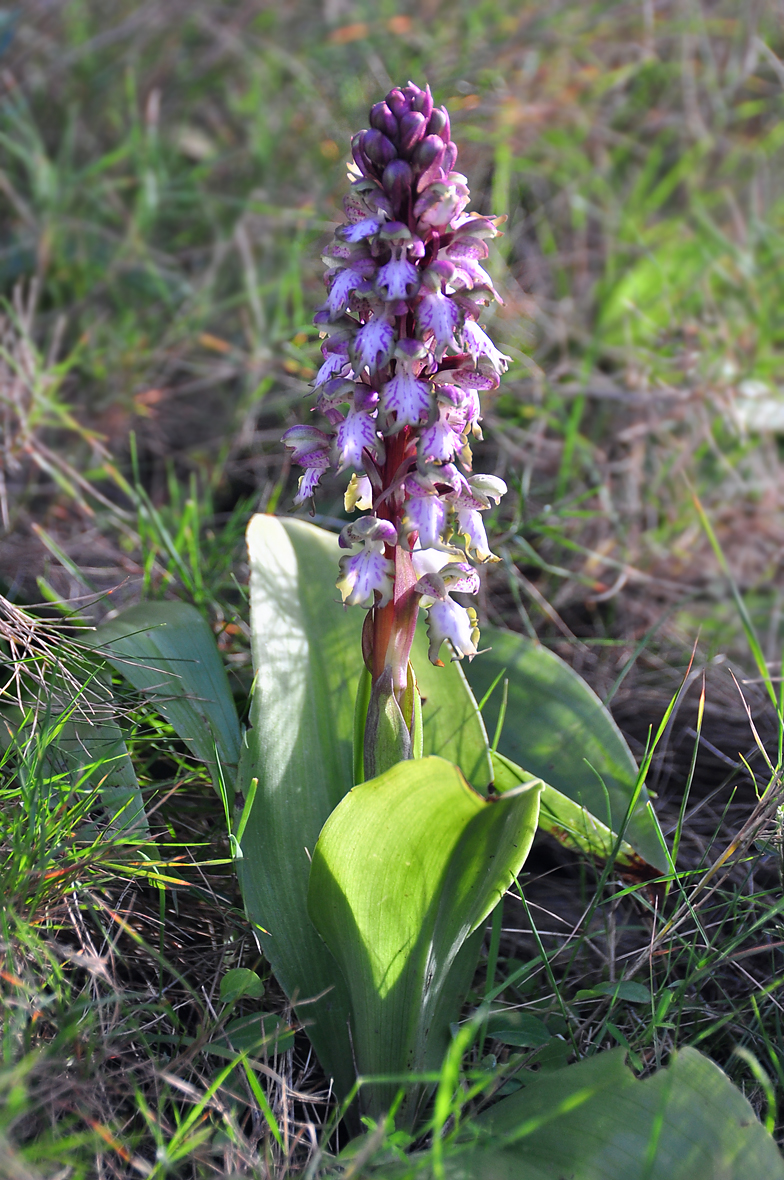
x: 407, y: 398
x: 367, y: 578
x: 405, y: 362
x: 397, y: 279
x: 373, y: 345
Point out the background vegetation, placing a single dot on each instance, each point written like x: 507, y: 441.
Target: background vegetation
x: 167, y: 174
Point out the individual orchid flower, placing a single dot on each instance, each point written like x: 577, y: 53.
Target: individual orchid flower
x: 469, y: 502
x: 439, y: 315
x: 357, y: 432
x: 404, y: 364
x: 398, y: 279
x: 310, y: 449
x: 367, y: 577
x: 425, y: 513
x: 447, y: 619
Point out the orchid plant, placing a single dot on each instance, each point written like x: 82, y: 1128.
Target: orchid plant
x: 405, y: 360
x: 373, y: 827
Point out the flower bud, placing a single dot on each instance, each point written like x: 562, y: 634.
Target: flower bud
x: 397, y: 180
x: 397, y: 103
x: 450, y: 157
x: 438, y: 124
x: 360, y: 159
x: 367, y: 528
x: 428, y: 151
x: 412, y: 128
x: 382, y: 119
x: 421, y: 100
x: 378, y: 149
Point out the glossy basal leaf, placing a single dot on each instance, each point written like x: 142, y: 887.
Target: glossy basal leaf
x: 406, y: 868
x: 557, y: 729
x: 254, y: 1033
x: 518, y: 1028
x: 307, y: 656
x: 88, y: 745
x: 452, y: 726
x: 95, y: 752
x: 596, y: 1121
x: 570, y: 824
x: 167, y: 651
x: 240, y: 982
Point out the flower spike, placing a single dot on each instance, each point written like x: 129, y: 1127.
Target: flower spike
x: 404, y: 363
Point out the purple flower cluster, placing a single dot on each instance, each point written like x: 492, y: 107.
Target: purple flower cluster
x: 404, y: 363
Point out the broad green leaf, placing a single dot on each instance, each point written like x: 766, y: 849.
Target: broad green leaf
x: 557, y: 729
x: 405, y: 869
x: 88, y: 745
x: 596, y: 1121
x: 452, y: 725
x: 253, y: 1032
x: 167, y: 651
x: 95, y: 751
x: 623, y: 989
x: 518, y: 1028
x: 239, y: 982
x: 570, y: 824
x: 307, y: 658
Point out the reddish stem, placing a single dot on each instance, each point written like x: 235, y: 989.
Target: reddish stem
x: 393, y: 624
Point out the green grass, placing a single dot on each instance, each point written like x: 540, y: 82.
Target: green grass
x: 169, y: 173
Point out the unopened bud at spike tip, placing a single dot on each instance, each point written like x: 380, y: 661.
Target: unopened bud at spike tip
x: 397, y: 103
x: 427, y: 152
x: 438, y: 124
x: 360, y: 159
x: 397, y: 180
x: 378, y: 149
x: 412, y: 128
x: 383, y: 120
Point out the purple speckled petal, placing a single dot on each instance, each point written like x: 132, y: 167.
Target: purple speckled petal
x: 431, y: 585
x: 399, y: 279
x: 364, y: 574
x: 439, y: 442
x: 478, y: 343
x: 361, y: 229
x: 438, y: 314
x: 407, y: 397
x: 471, y: 412
x: 342, y: 286
x: 373, y: 345
x: 469, y: 378
x: 334, y: 364
x: 427, y: 515
x: 459, y: 576
x: 468, y: 273
x: 357, y: 431
x: 307, y: 484
x: 446, y: 619
x: 464, y: 247
x: 366, y: 529
x: 309, y: 445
